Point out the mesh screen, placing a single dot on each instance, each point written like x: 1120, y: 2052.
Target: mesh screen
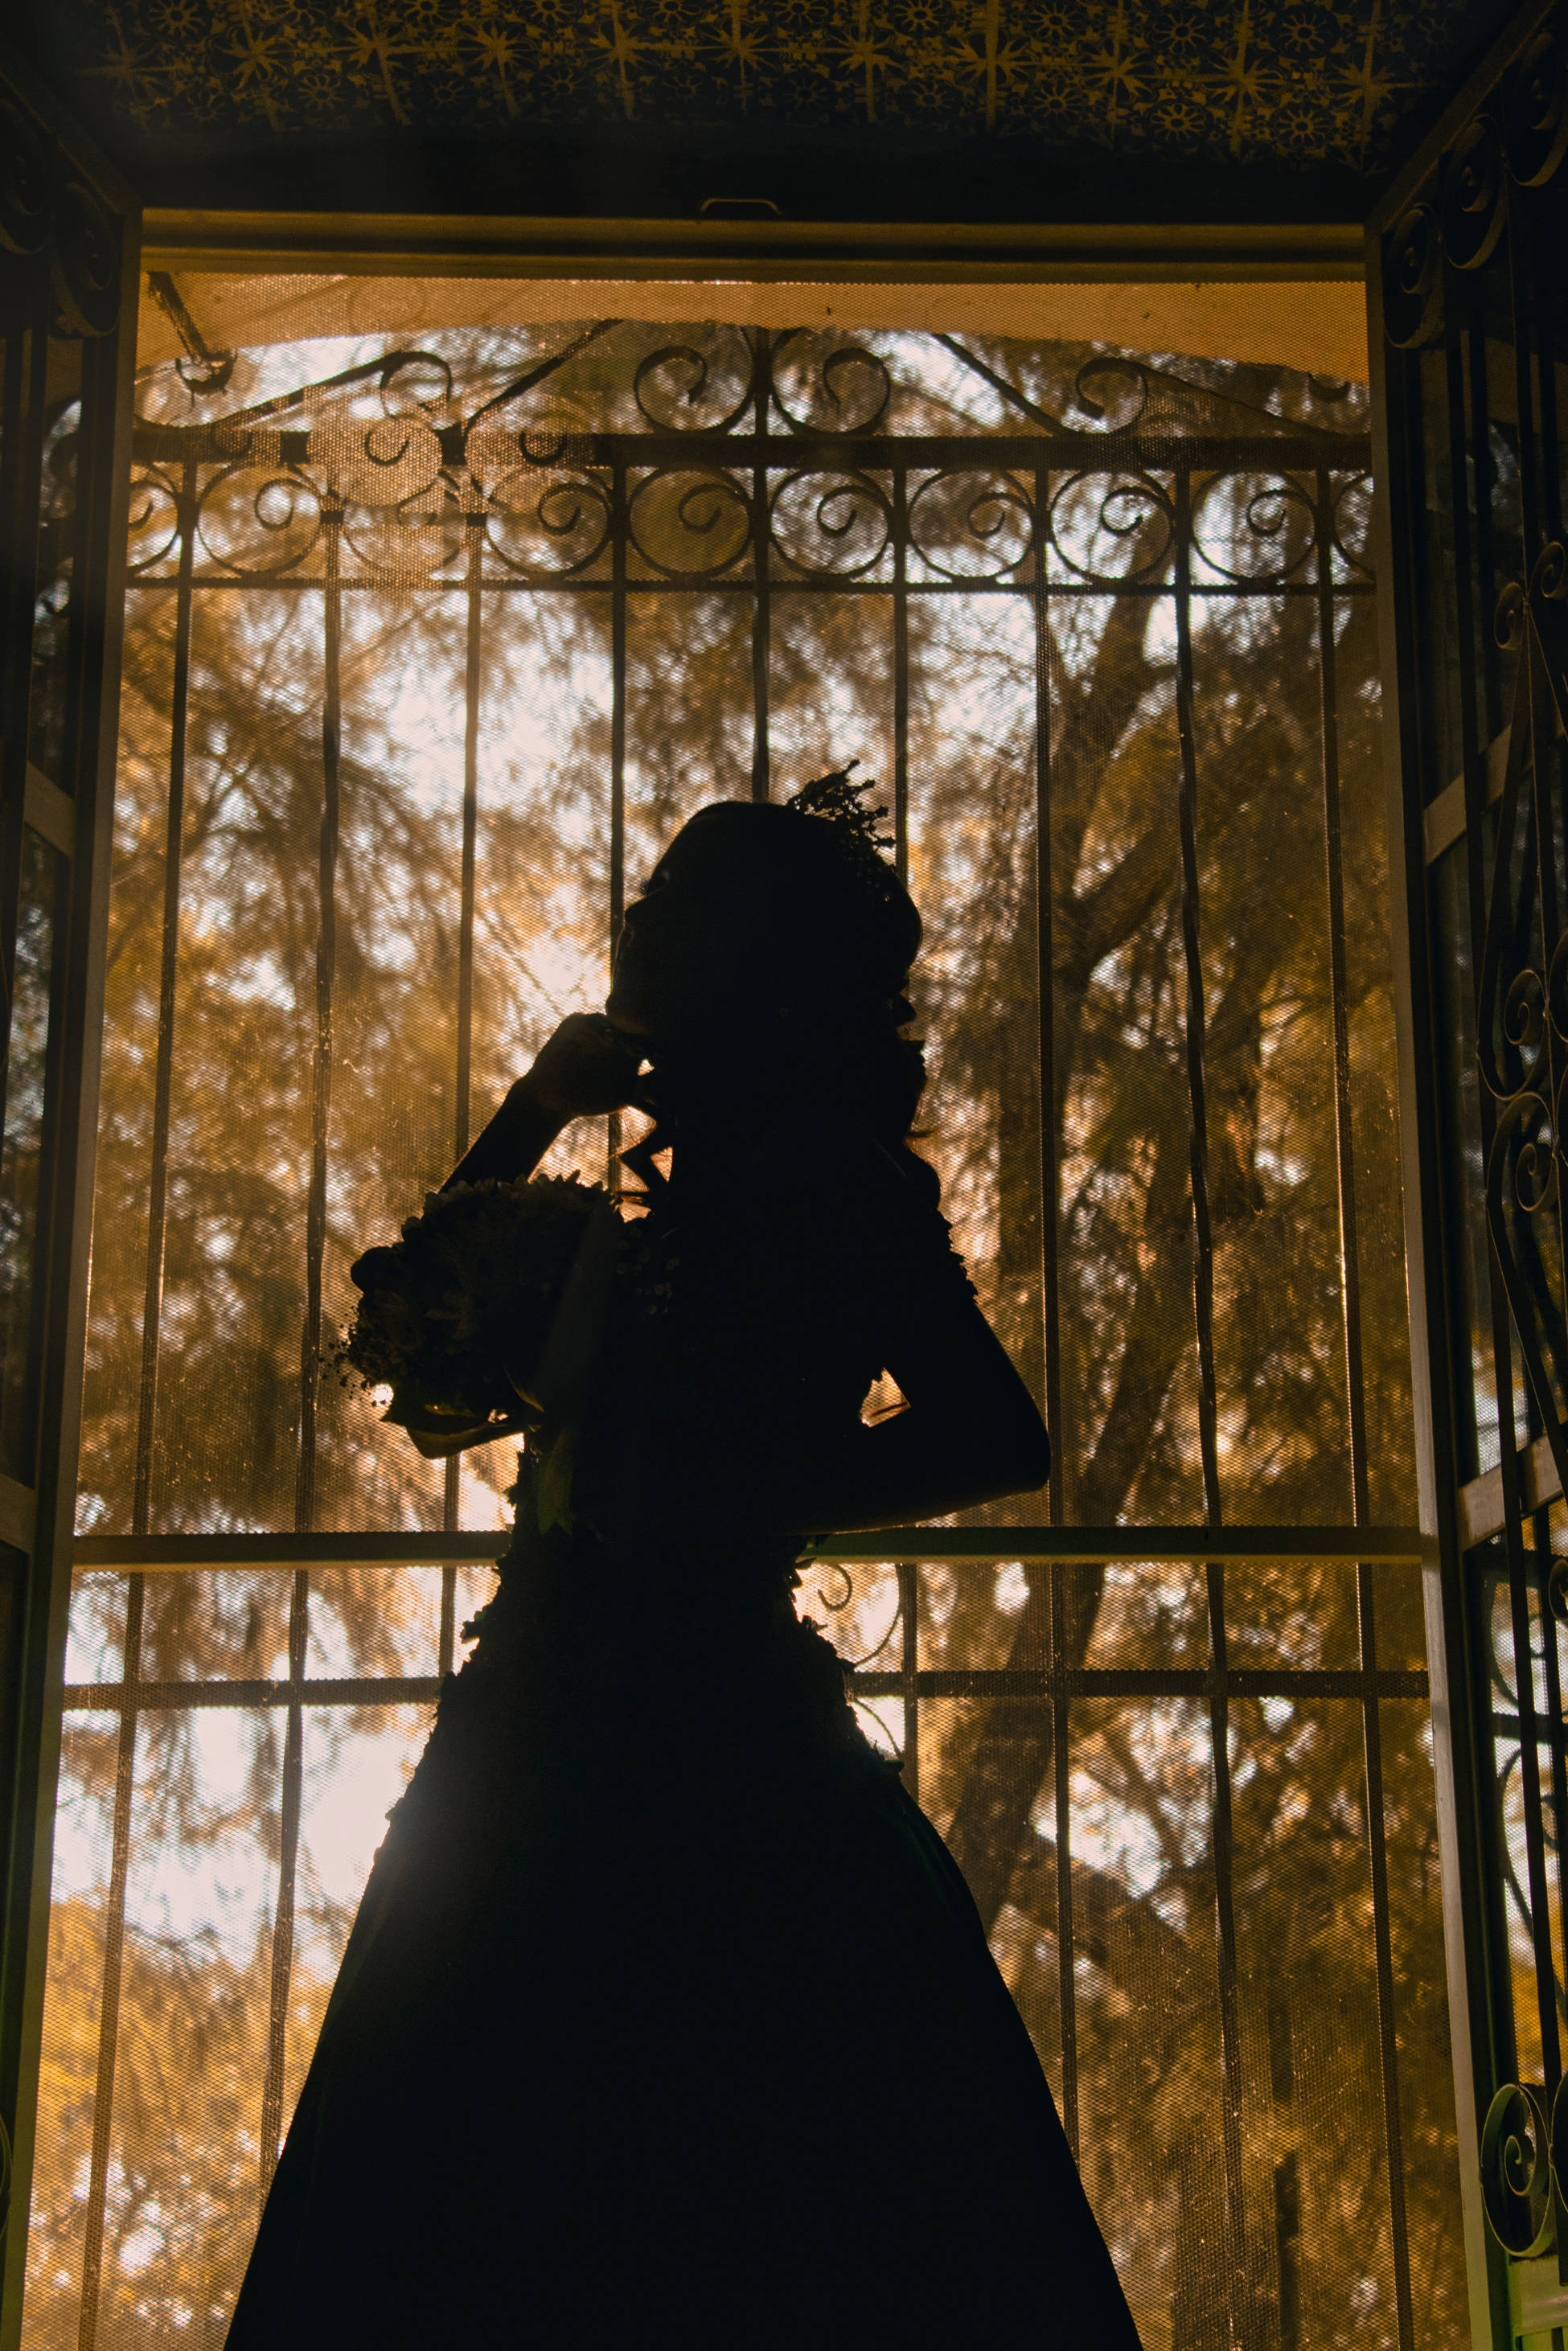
x: 521, y: 582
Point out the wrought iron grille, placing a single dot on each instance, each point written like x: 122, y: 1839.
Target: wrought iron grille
x: 429, y: 650
x: 1472, y: 283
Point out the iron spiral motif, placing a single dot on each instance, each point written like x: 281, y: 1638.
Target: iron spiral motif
x: 1522, y: 148
x: 46, y: 208
x: 1522, y: 1011
x: 27, y: 179
x: 1096, y: 517
x: 1522, y: 2161
x: 1474, y: 204
x: 971, y: 523
x: 1413, y: 281
x: 830, y: 523
x: 678, y: 379
x: 690, y: 522
x: 846, y: 388
x: 1536, y: 116
x: 541, y: 476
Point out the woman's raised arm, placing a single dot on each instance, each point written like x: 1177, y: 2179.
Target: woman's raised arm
x: 585, y: 1068
x: 970, y: 1432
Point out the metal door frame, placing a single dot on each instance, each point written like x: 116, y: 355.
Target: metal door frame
x: 1432, y: 224
x: 69, y: 240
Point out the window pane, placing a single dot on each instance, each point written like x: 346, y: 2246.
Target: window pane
x: 426, y: 616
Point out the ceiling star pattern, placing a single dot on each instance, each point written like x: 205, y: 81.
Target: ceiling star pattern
x: 1305, y: 81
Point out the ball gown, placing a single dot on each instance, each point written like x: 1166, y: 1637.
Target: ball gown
x: 666, y: 2014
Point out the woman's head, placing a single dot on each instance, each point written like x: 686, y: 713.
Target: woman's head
x: 756, y: 911
x: 780, y: 934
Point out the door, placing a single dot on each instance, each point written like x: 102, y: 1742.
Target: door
x: 68, y: 240
x: 1467, y: 279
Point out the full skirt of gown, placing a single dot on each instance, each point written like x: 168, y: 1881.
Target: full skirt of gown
x: 667, y: 2015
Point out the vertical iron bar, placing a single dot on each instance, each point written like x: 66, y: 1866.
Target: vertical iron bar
x: 1350, y: 1311
x: 1505, y: 2050
x: 1540, y: 1545
x: 901, y: 672
x: 1186, y: 812
x: 470, y: 838
x: 321, y: 1068
x: 1066, y: 1976
x: 1520, y: 275
x: 452, y: 1486
x: 287, y: 1862
x: 620, y: 526
x: 1236, y: 2279
x: 1475, y: 632
x: 761, y: 570
x: 909, y: 1667
x: 141, y: 1508
x: 1061, y: 1721
x: 1545, y: 748
x: 113, y: 1970
x: 1044, y: 917
x: 158, y: 1173
x: 24, y: 479
x: 1504, y: 2024
x: 1203, y: 1301
x: 311, y: 1344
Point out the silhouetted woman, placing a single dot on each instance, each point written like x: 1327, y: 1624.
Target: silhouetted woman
x: 667, y: 2016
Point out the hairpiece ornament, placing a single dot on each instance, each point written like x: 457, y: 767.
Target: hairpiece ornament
x: 837, y: 801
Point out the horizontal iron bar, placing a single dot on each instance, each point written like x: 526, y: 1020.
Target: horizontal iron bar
x: 51, y: 813
x: 740, y: 583
x: 1481, y: 1514
x: 1061, y: 453
x: 1362, y: 1546
x: 423, y: 1689
x: 1547, y: 1732
x: 1133, y: 1681
x: 18, y: 1506
x: 1444, y: 820
x: 176, y: 1698
x: 1367, y: 1546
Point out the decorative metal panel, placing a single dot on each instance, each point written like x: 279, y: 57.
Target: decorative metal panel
x: 1471, y: 296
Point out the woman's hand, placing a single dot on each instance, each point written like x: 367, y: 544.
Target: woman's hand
x: 587, y: 1067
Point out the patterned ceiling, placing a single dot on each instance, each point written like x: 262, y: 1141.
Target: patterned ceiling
x: 1302, y: 83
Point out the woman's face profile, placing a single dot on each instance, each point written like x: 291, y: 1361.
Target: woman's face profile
x: 693, y: 948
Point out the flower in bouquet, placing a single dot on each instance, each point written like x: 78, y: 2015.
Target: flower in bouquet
x: 453, y: 1315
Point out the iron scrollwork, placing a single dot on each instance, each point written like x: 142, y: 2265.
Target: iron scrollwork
x: 1522, y: 2159
x: 1523, y: 996
x: 45, y: 207
x: 679, y: 387
x: 830, y: 522
x: 1522, y: 145
x: 849, y: 389
x: 972, y: 523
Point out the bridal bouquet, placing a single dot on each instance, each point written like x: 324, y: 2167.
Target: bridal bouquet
x: 455, y: 1315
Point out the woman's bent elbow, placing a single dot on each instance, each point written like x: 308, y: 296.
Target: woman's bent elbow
x: 1030, y: 1465
x: 1017, y: 1452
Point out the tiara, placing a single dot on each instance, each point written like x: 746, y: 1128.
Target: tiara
x: 838, y: 801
